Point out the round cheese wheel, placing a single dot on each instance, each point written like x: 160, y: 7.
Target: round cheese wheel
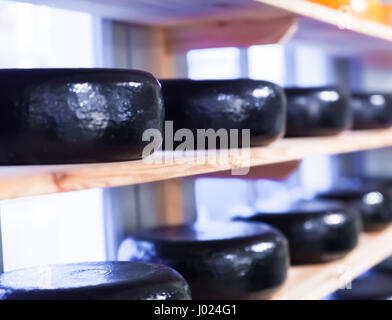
x: 317, y: 111
x: 372, y: 199
x: 317, y: 231
x: 100, y: 280
x: 371, y: 110
x: 218, y: 259
x: 53, y: 116
x: 259, y: 106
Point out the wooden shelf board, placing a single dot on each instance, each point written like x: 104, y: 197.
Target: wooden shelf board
x: 333, y: 17
x: 213, y: 23
x: 22, y: 181
x: 167, y: 12
x: 315, y: 282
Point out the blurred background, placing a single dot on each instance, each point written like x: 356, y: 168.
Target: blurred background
x: 89, y: 225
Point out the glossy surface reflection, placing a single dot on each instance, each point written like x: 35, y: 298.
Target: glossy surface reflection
x: 318, y: 111
x: 372, y: 200
x: 52, y: 116
x: 219, y: 260
x: 317, y: 231
x: 227, y: 104
x: 104, y: 280
x: 371, y: 110
x: 372, y: 285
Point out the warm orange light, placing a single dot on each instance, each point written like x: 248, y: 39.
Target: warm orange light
x: 365, y: 9
x: 335, y: 4
x: 387, y: 14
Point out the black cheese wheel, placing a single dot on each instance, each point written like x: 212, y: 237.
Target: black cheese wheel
x: 372, y: 199
x: 101, y: 280
x: 317, y: 231
x: 53, y: 116
x: 372, y: 285
x: 218, y: 260
x: 317, y: 111
x: 385, y: 266
x: 371, y: 110
x: 259, y: 106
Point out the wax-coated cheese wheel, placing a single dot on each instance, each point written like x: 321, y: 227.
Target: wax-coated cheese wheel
x: 317, y: 231
x: 371, y: 110
x: 372, y: 199
x: 259, y: 106
x: 101, y: 280
x: 317, y: 111
x: 372, y: 285
x: 52, y: 116
x: 218, y: 260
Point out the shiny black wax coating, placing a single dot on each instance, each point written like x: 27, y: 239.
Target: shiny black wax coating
x: 372, y: 285
x: 372, y: 200
x: 95, y: 281
x: 226, y: 104
x: 218, y: 260
x: 51, y: 116
x: 371, y: 110
x: 317, y: 111
x: 317, y: 231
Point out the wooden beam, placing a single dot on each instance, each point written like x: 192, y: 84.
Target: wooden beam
x: 23, y: 181
x: 169, y: 198
x: 170, y: 202
x: 158, y: 12
x: 339, y: 18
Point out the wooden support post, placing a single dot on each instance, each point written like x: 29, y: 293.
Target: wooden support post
x: 145, y: 48
x: 164, y: 64
x: 170, y: 201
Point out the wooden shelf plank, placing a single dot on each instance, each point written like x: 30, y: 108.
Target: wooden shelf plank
x: 22, y: 181
x: 167, y: 13
x: 246, y: 21
x: 317, y: 281
x: 333, y: 17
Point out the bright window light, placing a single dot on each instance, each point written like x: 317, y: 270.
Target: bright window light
x: 267, y: 62
x: 221, y: 198
x: 53, y: 229
x: 34, y: 36
x: 57, y: 228
x: 312, y: 66
x: 359, y: 5
x: 221, y: 63
x: 321, y: 164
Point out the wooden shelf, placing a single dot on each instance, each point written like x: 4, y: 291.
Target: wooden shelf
x: 22, y: 181
x: 317, y: 281
x: 168, y: 12
x: 195, y: 24
x: 333, y: 17
x: 330, y: 30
